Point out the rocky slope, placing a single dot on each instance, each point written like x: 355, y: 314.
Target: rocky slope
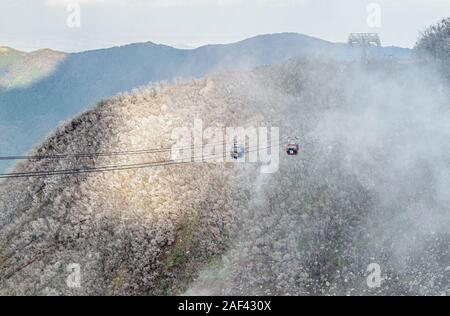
x: 369, y: 186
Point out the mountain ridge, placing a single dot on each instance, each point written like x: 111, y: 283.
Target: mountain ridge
x: 246, y: 40
x: 20, y: 69
x: 80, y: 80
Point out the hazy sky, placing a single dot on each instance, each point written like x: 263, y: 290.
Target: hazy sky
x: 32, y: 24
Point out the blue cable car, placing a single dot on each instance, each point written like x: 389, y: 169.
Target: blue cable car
x: 237, y: 151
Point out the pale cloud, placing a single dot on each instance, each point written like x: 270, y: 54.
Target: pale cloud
x: 33, y: 24
x: 179, y: 3
x: 51, y: 3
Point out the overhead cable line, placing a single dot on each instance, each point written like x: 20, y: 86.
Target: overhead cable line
x: 118, y: 167
x: 103, y: 154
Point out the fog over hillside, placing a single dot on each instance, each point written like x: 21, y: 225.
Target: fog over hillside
x: 369, y: 186
x: 81, y: 80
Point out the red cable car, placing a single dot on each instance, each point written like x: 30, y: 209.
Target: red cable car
x: 292, y: 149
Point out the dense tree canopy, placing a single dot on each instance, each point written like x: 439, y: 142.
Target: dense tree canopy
x: 369, y: 186
x: 434, y: 43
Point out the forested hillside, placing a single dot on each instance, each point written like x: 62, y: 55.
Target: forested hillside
x: 368, y: 186
x: 19, y: 69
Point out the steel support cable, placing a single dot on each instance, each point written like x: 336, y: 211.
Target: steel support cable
x: 119, y: 167
x: 103, y: 154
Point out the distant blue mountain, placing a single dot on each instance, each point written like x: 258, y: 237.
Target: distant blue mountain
x: 28, y: 114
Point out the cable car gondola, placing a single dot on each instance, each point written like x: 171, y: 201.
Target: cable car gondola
x: 237, y: 151
x: 292, y: 149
